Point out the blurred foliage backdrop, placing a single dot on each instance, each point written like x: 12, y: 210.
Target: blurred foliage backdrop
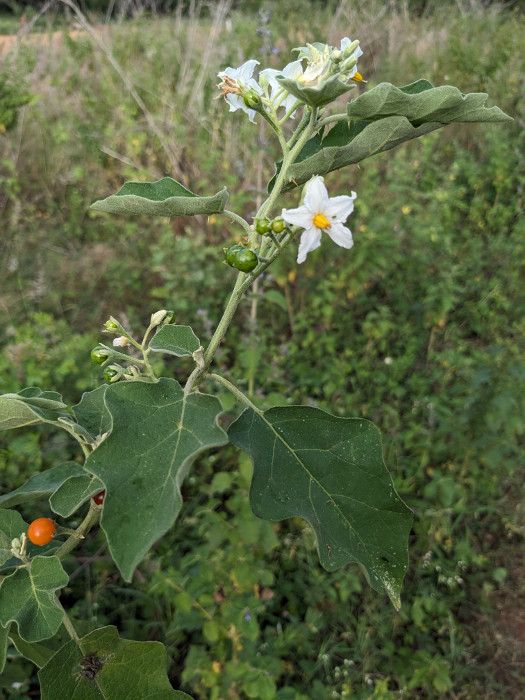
x: 419, y: 328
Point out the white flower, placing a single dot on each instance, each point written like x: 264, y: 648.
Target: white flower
x: 321, y: 213
x: 292, y: 71
x: 120, y: 342
x: 351, y: 52
x: 236, y: 82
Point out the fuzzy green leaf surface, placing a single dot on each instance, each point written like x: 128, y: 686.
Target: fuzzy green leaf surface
x: 11, y: 525
x: 108, y: 667
x: 4, y: 631
x: 28, y: 597
x: 165, y: 197
x: 68, y: 498
x: 39, y: 654
x: 329, y: 471
x: 326, y: 93
x: 420, y: 102
x: 32, y: 395
x: 91, y: 412
x: 383, y: 118
x: 41, y: 485
x: 175, y: 340
x: 17, y: 413
x: 157, y: 433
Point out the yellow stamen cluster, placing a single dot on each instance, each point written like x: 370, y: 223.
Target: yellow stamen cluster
x: 320, y: 221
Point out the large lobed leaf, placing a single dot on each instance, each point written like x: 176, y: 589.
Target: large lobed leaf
x: 165, y: 197
x: 329, y: 471
x: 28, y: 597
x: 157, y: 433
x: 383, y: 118
x: 108, y: 667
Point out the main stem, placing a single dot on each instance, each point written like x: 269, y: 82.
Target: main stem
x: 289, y: 157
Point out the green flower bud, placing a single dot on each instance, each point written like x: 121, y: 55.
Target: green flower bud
x: 112, y: 326
x: 246, y: 260
x: 99, y: 354
x: 169, y: 317
x: 251, y: 99
x: 113, y: 373
x: 350, y: 49
x: 231, y: 252
x: 278, y: 225
x: 262, y: 226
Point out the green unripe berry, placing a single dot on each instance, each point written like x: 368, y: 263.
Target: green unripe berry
x: 231, y: 252
x: 278, y: 225
x: 111, y: 375
x: 99, y: 355
x: 262, y: 226
x: 246, y: 260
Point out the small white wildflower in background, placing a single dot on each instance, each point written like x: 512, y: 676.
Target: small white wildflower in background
x: 321, y: 213
x: 388, y: 360
x: 237, y: 82
x: 120, y: 342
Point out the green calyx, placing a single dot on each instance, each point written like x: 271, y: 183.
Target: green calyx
x: 99, y: 355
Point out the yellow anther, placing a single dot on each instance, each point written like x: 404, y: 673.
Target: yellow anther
x: 320, y: 221
x: 357, y: 77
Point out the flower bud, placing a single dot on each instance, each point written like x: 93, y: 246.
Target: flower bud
x: 100, y: 354
x: 349, y: 50
x: 158, y: 317
x: 251, y: 99
x: 120, y: 342
x: 112, y: 325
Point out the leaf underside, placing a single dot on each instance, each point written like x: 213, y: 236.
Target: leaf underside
x: 165, y: 197
x: 383, y: 118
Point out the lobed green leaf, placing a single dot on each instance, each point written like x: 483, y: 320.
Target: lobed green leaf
x: 108, y: 667
x: 383, y: 118
x: 41, y: 485
x: 28, y: 597
x: 329, y: 471
x: 157, y: 433
x: 165, y: 197
x: 73, y: 493
x: 175, y: 340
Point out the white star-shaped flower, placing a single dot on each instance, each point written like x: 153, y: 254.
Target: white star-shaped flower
x: 293, y: 70
x: 321, y: 213
x: 235, y: 82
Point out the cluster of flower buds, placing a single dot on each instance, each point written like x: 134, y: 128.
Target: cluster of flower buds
x: 102, y: 354
x: 317, y: 65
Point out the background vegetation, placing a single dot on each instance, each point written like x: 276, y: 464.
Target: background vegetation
x: 419, y: 328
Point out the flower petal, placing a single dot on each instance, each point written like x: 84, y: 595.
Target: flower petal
x: 341, y: 235
x: 339, y: 208
x: 310, y: 240
x: 301, y: 216
x: 316, y: 196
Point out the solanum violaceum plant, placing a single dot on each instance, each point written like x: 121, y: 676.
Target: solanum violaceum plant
x: 139, y: 433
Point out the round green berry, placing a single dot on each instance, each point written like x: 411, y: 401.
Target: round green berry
x: 246, y: 260
x: 278, y: 225
x: 231, y: 252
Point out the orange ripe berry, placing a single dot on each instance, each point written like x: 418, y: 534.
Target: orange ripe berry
x: 41, y: 531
